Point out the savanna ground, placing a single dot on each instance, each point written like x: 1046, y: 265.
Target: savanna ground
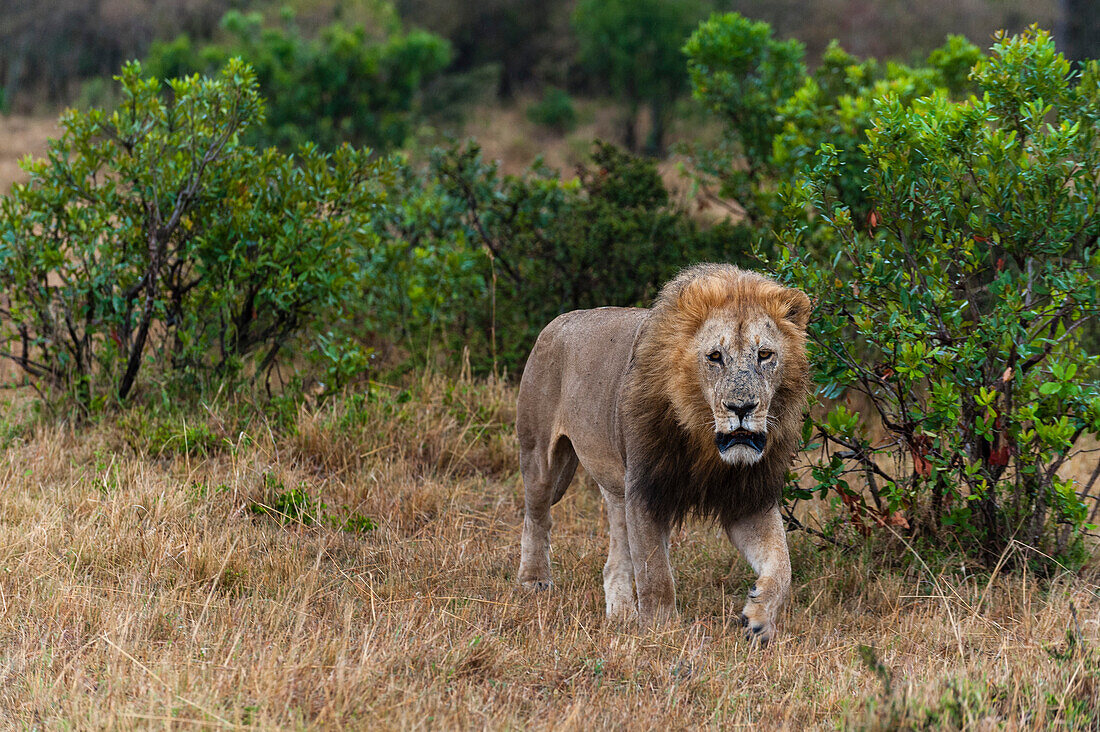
x: 352, y: 563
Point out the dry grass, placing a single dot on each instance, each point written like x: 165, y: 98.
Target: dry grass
x: 139, y: 588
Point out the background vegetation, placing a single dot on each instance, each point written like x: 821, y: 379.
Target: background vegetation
x: 339, y: 85
x: 259, y: 295
x: 237, y: 211
x: 982, y: 259
x: 151, y: 237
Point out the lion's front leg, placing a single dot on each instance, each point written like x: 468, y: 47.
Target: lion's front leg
x: 652, y: 570
x: 762, y: 540
x: 618, y: 572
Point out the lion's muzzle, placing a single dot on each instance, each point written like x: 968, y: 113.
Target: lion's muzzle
x: 726, y: 440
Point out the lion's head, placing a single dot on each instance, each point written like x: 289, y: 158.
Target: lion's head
x: 721, y: 372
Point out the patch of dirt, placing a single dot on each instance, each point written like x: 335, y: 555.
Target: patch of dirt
x: 21, y: 136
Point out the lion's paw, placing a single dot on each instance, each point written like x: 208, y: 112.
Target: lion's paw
x: 758, y: 631
x: 622, y: 610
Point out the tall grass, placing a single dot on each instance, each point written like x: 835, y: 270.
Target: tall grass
x: 140, y: 587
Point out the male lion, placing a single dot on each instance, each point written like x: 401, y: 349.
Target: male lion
x: 691, y: 407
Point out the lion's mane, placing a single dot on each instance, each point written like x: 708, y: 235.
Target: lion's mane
x: 674, y: 464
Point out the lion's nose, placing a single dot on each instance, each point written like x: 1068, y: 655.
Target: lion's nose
x: 741, y: 409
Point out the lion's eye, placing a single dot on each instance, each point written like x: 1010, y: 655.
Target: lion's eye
x: 715, y: 357
x: 764, y: 354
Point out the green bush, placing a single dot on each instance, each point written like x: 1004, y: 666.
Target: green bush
x: 472, y: 259
x: 961, y: 316
x: 555, y: 110
x: 775, y: 116
x: 342, y: 86
x: 742, y: 76
x: 151, y: 237
x: 609, y: 237
x: 835, y: 106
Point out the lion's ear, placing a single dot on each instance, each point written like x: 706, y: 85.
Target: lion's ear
x: 798, y: 307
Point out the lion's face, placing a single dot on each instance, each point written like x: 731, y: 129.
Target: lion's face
x: 740, y: 365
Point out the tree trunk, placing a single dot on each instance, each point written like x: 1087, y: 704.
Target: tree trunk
x: 630, y: 129
x: 658, y: 117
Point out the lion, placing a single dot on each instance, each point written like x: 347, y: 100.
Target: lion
x: 691, y: 407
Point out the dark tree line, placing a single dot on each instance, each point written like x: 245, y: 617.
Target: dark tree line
x: 46, y: 51
x: 1079, y: 29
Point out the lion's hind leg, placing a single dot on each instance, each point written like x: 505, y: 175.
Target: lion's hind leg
x: 618, y: 572
x: 546, y: 475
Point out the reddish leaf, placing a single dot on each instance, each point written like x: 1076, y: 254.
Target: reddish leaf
x: 896, y: 519
x: 919, y: 447
x: 1002, y: 445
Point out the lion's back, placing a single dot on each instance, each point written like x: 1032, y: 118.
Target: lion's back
x: 571, y: 383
